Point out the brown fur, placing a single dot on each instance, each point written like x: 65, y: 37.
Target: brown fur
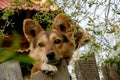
x: 58, y: 40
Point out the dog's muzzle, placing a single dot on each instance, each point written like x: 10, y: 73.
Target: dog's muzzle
x: 51, y: 57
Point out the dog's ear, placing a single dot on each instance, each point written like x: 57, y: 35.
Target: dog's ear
x: 31, y: 29
x: 61, y: 24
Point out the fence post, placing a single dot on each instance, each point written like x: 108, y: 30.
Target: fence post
x: 86, y: 70
x: 10, y: 71
x: 110, y: 72
x: 61, y: 74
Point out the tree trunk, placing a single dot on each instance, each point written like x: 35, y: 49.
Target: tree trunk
x: 86, y: 69
x: 62, y: 73
x: 10, y: 71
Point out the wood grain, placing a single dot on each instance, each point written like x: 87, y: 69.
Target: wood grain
x: 10, y: 71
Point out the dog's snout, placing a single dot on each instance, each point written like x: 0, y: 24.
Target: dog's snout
x: 50, y: 55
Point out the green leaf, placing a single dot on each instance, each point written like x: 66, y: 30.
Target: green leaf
x: 110, y: 30
x: 16, y: 41
x: 85, y: 56
x: 5, y: 54
x: 97, y: 46
x: 7, y: 12
x: 23, y: 58
x: 116, y: 46
x: 97, y: 32
x: 118, y: 13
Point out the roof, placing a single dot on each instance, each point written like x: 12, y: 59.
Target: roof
x: 27, y: 5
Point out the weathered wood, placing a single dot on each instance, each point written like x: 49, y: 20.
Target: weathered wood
x: 86, y: 70
x: 110, y: 72
x: 10, y: 71
x: 62, y: 73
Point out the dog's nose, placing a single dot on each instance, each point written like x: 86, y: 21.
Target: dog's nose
x: 50, y: 55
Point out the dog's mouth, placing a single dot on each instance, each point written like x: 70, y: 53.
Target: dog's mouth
x: 53, y: 61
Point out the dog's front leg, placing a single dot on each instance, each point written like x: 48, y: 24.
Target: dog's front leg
x: 44, y: 67
x: 49, y: 69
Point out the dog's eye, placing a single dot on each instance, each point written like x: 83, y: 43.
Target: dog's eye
x: 57, y: 41
x: 41, y: 44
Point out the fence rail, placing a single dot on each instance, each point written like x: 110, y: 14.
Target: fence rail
x: 85, y: 70
x: 61, y: 74
x: 10, y: 71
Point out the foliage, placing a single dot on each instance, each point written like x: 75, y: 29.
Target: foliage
x: 45, y: 18
x: 85, y: 56
x: 5, y: 17
x: 7, y: 12
x: 101, y: 19
x: 115, y: 59
x: 10, y: 54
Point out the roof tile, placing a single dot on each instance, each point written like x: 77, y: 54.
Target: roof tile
x: 6, y: 4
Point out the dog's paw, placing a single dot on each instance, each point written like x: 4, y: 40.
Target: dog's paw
x: 49, y: 69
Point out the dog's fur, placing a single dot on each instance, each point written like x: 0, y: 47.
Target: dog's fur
x: 49, y: 47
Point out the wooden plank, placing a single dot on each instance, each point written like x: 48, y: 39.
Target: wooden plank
x: 86, y: 70
x: 62, y: 73
x: 110, y: 72
x: 10, y: 71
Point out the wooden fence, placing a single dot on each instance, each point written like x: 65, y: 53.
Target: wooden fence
x: 110, y: 72
x: 10, y: 71
x: 87, y: 69
x: 84, y: 70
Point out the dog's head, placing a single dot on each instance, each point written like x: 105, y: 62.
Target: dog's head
x: 50, y: 46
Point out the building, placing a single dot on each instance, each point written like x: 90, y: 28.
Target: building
x: 22, y: 9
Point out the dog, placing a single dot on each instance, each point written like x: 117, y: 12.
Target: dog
x: 49, y: 47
